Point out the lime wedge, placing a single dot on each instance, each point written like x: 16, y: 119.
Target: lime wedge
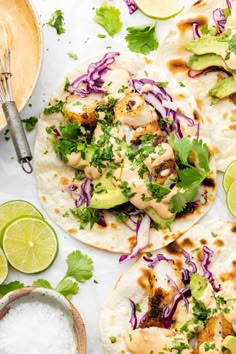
x: 160, y: 9
x: 14, y: 208
x: 229, y: 175
x: 30, y: 244
x: 231, y: 198
x: 3, y: 267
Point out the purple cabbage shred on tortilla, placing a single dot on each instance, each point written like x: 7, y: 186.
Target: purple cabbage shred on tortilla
x: 186, y: 272
x: 92, y: 81
x: 207, y: 254
x: 142, y: 238
x: 168, y: 313
x: 194, y: 74
x: 196, y: 33
x: 58, y: 133
x: 133, y: 318
x: 85, y: 193
x: 220, y: 19
x: 229, y: 5
x: 132, y: 7
x: 158, y: 258
x: 161, y: 100
x: 101, y: 221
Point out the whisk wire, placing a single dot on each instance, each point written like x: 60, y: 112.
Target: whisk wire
x: 9, y: 106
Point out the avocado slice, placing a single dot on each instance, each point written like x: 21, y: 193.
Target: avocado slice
x: 201, y: 62
x: 230, y: 343
x: 198, y: 285
x: 223, y: 89
x: 106, y: 195
x: 164, y: 223
x: 86, y: 157
x: 204, y: 45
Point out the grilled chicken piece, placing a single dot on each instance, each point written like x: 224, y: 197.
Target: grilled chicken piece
x: 82, y: 109
x: 132, y: 110
x: 209, y: 332
x: 163, y: 172
x: 156, y: 303
x: 150, y: 128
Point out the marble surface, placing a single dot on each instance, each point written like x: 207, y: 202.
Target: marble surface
x: 80, y: 38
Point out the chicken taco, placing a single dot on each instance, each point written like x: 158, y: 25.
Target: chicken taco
x: 179, y: 300
x: 119, y: 157
x: 199, y: 51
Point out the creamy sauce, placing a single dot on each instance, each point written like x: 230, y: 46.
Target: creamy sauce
x: 73, y: 159
x: 181, y: 313
x: 24, y: 42
x: 152, y: 339
x: 114, y: 80
x: 91, y: 172
x: 228, y: 292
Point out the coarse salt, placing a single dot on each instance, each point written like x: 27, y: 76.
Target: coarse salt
x: 36, y: 328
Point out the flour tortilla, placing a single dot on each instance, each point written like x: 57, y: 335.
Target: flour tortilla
x: 218, y: 127
x: 115, y: 313
x: 53, y: 176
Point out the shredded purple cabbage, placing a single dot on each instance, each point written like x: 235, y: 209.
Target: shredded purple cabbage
x: 85, y: 193
x: 142, y: 238
x: 189, y: 262
x: 57, y: 133
x: 158, y: 258
x: 185, y: 276
x: 168, y: 313
x: 133, y: 318
x: 207, y: 254
x: 220, y: 19
x: 229, y: 4
x: 101, y: 221
x: 196, y: 33
x: 194, y: 74
x: 131, y: 6
x: 93, y: 79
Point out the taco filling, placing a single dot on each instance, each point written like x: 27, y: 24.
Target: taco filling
x: 127, y: 149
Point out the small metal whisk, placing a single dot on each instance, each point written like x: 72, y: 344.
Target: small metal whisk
x: 9, y: 106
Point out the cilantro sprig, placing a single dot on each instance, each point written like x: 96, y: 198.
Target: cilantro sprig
x: 142, y: 39
x: 57, y: 21
x: 79, y: 268
x: 109, y: 18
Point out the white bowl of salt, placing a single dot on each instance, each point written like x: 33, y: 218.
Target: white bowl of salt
x: 40, y: 321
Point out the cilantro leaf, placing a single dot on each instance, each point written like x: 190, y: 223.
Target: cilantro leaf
x: 179, y: 201
x: 42, y: 283
x: 157, y: 191
x: 142, y: 39
x: 86, y: 216
x: 203, y: 154
x: 109, y: 18
x: 30, y: 123
x: 6, y: 288
x: 80, y: 267
x: 73, y: 56
x: 190, y: 177
x: 67, y: 84
x: 57, y: 21
x: 183, y: 148
x: 68, y: 288
x: 232, y: 44
x: 54, y: 108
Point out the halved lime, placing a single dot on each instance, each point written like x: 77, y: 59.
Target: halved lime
x: 3, y: 266
x: 14, y: 208
x: 160, y: 9
x: 30, y: 244
x: 229, y: 175
x: 231, y: 198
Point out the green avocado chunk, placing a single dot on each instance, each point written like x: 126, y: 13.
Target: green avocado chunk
x: 201, y: 62
x: 106, y: 195
x: 205, y: 45
x: 197, y: 285
x: 224, y: 88
x: 86, y: 156
x: 163, y: 223
x: 230, y: 343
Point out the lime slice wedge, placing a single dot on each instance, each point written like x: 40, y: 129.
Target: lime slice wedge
x: 229, y: 175
x: 30, y: 244
x: 14, y: 208
x: 3, y: 267
x: 231, y: 198
x: 160, y: 9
